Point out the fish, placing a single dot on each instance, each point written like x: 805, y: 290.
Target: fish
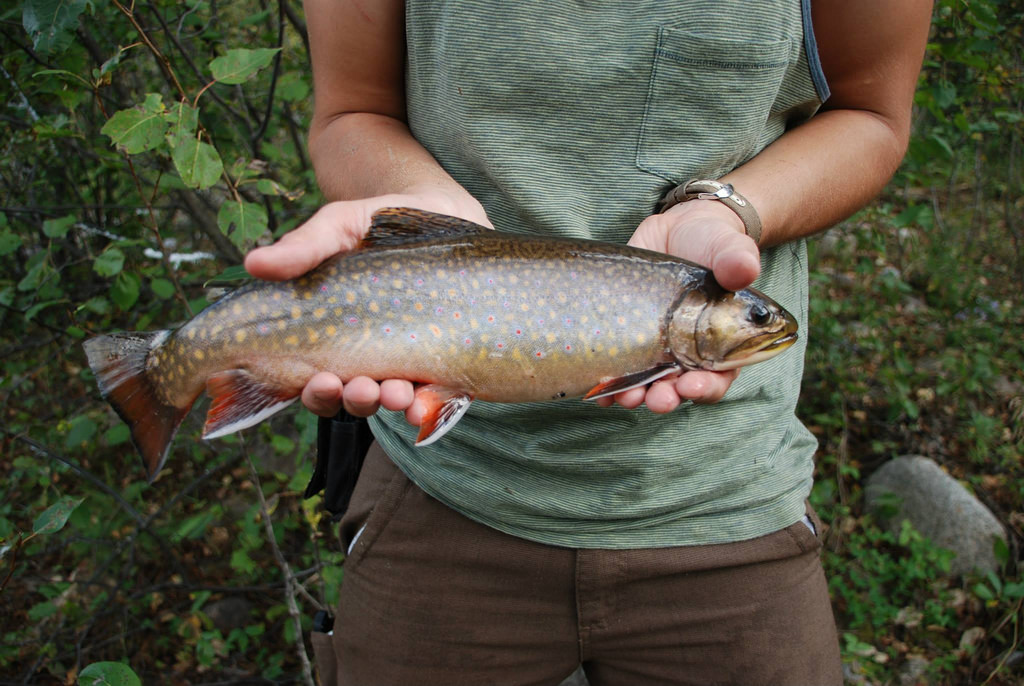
x: 466, y: 312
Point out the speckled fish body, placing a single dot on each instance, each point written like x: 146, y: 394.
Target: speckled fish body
x: 476, y: 314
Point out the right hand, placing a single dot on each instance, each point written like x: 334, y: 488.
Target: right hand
x: 339, y: 227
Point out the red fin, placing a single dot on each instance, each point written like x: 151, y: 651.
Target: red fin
x: 401, y: 225
x: 634, y: 380
x: 240, y: 401
x: 119, y: 363
x: 445, y: 407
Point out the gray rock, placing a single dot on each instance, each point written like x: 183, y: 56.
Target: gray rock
x: 939, y: 507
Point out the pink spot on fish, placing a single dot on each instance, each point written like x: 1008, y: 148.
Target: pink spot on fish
x: 412, y: 337
x: 323, y: 288
x: 396, y: 302
x: 457, y: 315
x: 438, y: 310
x: 568, y: 348
x: 539, y: 354
x: 419, y: 282
x: 499, y: 345
x: 468, y: 341
x: 387, y: 330
x: 572, y: 275
x: 263, y: 328
x: 490, y: 319
x: 353, y: 320
x: 374, y: 279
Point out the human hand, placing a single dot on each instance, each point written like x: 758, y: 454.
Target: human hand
x: 338, y: 227
x: 710, y: 234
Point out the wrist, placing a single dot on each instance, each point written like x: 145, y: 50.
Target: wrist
x: 703, y: 211
x: 723, y: 194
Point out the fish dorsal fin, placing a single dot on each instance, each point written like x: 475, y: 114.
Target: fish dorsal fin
x: 401, y: 225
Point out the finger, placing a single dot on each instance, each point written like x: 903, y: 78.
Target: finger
x: 662, y: 397
x: 604, y: 401
x: 396, y: 394
x: 336, y: 227
x: 322, y: 395
x: 632, y: 398
x: 705, y: 387
x: 736, y: 263
x: 361, y: 396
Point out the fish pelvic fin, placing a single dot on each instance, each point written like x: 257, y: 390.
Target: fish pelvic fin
x: 630, y: 381
x: 445, y: 407
x: 119, y: 363
x: 403, y: 225
x: 240, y: 401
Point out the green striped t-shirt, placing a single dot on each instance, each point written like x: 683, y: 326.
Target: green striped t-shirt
x: 573, y: 119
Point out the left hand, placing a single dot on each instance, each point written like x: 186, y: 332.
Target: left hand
x: 710, y: 234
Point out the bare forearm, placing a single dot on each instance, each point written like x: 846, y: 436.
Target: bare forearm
x: 362, y: 155
x: 820, y: 173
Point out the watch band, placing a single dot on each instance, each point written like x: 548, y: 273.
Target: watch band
x: 707, y: 189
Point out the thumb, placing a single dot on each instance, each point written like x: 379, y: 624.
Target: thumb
x: 336, y: 227
x: 712, y: 239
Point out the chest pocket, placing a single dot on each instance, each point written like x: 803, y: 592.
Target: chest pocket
x: 708, y: 102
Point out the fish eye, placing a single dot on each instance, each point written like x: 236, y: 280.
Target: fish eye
x: 759, y: 314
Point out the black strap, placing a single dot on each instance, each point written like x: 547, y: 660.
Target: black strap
x: 342, y: 442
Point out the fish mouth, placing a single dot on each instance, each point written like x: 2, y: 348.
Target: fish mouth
x: 757, y: 349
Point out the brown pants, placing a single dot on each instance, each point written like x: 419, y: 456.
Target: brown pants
x: 431, y: 597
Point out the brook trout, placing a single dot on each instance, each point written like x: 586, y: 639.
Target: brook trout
x: 469, y: 312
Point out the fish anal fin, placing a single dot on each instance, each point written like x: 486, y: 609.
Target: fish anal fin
x: 119, y: 363
x: 630, y: 381
x: 401, y: 225
x: 239, y: 401
x: 444, y: 408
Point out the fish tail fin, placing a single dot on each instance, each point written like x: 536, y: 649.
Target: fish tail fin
x: 119, y: 363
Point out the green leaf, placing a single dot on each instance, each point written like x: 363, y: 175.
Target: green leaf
x: 54, y: 517
x: 162, y: 288
x: 109, y: 263
x: 292, y: 87
x: 240, y: 63
x: 31, y: 312
x: 183, y: 120
x: 242, y: 221
x: 51, y: 23
x: 1014, y: 590
x: 137, y: 129
x: 9, y: 242
x: 198, y: 163
x: 117, y: 434
x: 37, y: 270
x: 108, y: 674
x: 42, y: 610
x: 58, y: 228
x: 235, y: 272
x: 125, y: 290
x: 82, y: 430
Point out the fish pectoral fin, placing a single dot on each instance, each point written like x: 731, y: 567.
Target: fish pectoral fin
x: 634, y: 380
x: 240, y: 401
x: 445, y: 407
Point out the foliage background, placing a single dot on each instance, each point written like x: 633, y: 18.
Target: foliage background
x: 146, y: 147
